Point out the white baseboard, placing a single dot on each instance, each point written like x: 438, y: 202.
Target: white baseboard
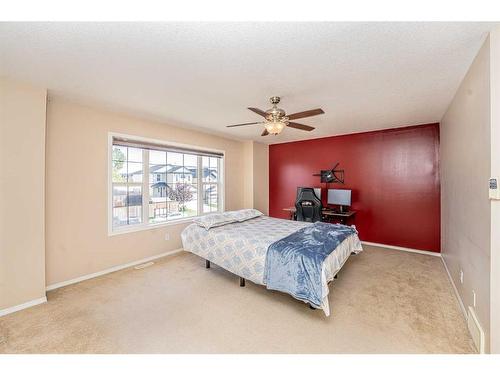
x: 22, y: 306
x: 460, y: 302
x: 109, y: 270
x: 402, y: 248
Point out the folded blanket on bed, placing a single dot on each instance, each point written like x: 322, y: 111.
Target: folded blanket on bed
x: 293, y: 264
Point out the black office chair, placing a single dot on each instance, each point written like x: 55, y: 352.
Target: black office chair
x: 308, y: 205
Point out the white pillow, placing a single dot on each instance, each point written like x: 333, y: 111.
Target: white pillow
x: 214, y: 220
x: 228, y: 217
x: 245, y: 214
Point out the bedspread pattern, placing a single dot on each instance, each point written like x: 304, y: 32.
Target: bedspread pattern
x: 240, y: 247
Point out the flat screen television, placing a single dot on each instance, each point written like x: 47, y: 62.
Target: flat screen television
x: 326, y: 176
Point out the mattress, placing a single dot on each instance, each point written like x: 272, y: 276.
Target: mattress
x: 241, y: 248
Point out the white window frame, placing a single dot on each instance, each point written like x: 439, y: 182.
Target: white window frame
x: 145, y: 225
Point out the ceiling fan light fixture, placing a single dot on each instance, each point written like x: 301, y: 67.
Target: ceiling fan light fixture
x: 275, y: 127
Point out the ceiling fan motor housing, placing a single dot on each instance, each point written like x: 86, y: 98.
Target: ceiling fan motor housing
x: 275, y: 113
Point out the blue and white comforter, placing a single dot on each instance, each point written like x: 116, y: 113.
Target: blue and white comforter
x: 294, y: 263
x: 241, y: 248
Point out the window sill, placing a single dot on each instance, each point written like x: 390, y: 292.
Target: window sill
x: 143, y: 227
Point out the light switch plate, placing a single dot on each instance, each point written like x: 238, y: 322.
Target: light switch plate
x: 494, y: 191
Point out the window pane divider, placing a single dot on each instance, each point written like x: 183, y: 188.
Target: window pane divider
x: 145, y: 187
x: 199, y: 184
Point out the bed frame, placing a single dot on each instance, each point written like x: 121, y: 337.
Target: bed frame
x: 242, y: 280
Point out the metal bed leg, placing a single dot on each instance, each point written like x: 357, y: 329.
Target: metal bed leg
x: 242, y: 282
x: 336, y: 276
x: 207, y: 264
x: 312, y: 307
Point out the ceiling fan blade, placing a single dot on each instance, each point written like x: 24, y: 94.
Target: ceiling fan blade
x: 311, y: 112
x: 300, y: 126
x: 265, y: 132
x: 258, y: 111
x: 246, y: 123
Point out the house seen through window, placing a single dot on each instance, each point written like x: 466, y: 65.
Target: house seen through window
x: 152, y: 185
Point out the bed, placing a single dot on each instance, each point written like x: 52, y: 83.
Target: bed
x: 241, y: 247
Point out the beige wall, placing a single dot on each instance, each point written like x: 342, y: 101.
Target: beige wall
x: 495, y: 204
x: 256, y: 187
x: 22, y: 179
x: 465, y: 169
x: 76, y: 200
x: 248, y: 174
x: 261, y: 177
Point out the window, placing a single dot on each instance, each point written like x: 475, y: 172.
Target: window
x: 128, y: 171
x: 153, y: 183
x: 210, y: 167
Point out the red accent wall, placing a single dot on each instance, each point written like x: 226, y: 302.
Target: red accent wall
x: 393, y: 174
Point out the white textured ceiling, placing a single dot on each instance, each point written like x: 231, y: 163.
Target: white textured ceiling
x: 366, y: 76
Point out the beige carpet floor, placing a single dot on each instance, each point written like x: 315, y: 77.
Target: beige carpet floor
x: 384, y: 301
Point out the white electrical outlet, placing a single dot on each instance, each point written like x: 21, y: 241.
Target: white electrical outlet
x: 167, y: 236
x: 461, y: 277
x: 474, y: 298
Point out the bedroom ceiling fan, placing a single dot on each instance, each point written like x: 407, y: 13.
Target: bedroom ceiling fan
x: 276, y: 119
